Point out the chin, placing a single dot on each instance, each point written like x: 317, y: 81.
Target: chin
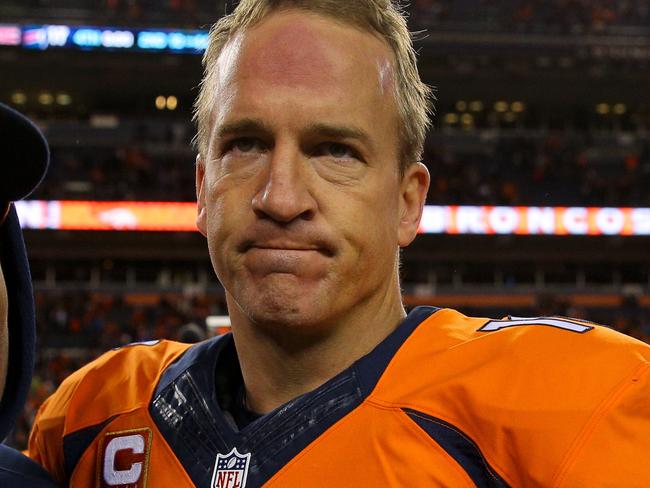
x: 283, y: 312
x: 282, y: 299
x: 277, y: 312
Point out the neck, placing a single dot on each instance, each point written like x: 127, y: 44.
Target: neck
x: 281, y: 365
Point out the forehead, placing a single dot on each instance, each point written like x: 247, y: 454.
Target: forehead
x: 301, y: 50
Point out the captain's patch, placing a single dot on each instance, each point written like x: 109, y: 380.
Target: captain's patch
x: 123, y: 459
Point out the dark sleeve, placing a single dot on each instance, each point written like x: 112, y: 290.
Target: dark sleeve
x: 18, y: 471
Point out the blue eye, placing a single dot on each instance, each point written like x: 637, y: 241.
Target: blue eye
x: 340, y: 150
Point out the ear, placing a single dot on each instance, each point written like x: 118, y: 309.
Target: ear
x: 201, y: 217
x: 413, y: 193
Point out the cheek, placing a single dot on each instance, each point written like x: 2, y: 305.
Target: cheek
x: 224, y: 217
x: 371, y: 223
x: 215, y: 217
x: 225, y: 197
x: 382, y: 209
x: 222, y: 233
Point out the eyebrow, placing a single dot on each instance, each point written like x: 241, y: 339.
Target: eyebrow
x: 257, y: 126
x: 244, y: 126
x: 340, y: 132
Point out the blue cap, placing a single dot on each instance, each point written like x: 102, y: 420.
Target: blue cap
x: 24, y: 155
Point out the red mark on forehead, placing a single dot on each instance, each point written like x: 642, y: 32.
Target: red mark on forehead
x: 289, y: 54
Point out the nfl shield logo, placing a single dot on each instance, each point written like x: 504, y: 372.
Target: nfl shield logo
x: 230, y: 470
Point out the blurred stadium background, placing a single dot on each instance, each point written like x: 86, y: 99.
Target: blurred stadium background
x: 540, y: 158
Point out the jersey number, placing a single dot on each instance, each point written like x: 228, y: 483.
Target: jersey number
x: 574, y: 325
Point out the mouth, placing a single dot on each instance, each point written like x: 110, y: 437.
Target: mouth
x: 287, y: 247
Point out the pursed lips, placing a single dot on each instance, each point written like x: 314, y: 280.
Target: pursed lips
x: 291, y: 258
x: 288, y: 249
x: 285, y: 247
x: 288, y: 246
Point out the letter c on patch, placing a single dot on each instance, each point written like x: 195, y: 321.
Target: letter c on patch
x: 115, y: 477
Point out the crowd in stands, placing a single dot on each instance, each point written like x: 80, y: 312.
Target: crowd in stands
x: 557, y: 168
x: 150, y: 162
x: 103, y: 321
x: 174, y: 13
x: 185, y: 11
x: 128, y: 173
x: 75, y: 328
x: 533, y: 15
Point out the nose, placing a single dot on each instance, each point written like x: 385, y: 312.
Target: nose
x: 284, y: 194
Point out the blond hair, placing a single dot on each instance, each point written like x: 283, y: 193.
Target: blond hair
x: 379, y: 17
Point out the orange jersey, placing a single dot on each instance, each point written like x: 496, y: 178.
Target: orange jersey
x: 445, y: 400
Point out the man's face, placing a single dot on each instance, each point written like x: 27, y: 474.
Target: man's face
x: 300, y: 195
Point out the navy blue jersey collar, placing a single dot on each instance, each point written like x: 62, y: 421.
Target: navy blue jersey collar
x: 372, y: 366
x: 186, y: 410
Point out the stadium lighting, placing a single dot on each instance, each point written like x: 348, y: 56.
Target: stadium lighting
x: 451, y: 118
x: 19, y: 98
x: 161, y: 102
x: 476, y: 106
x: 517, y: 107
x: 510, y: 117
x: 63, y: 99
x: 603, y: 108
x: 501, y: 106
x: 172, y: 103
x: 620, y: 108
x: 467, y: 120
x: 45, y: 98
x: 461, y: 105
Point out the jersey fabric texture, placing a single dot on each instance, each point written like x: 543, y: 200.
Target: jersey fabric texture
x: 445, y: 400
